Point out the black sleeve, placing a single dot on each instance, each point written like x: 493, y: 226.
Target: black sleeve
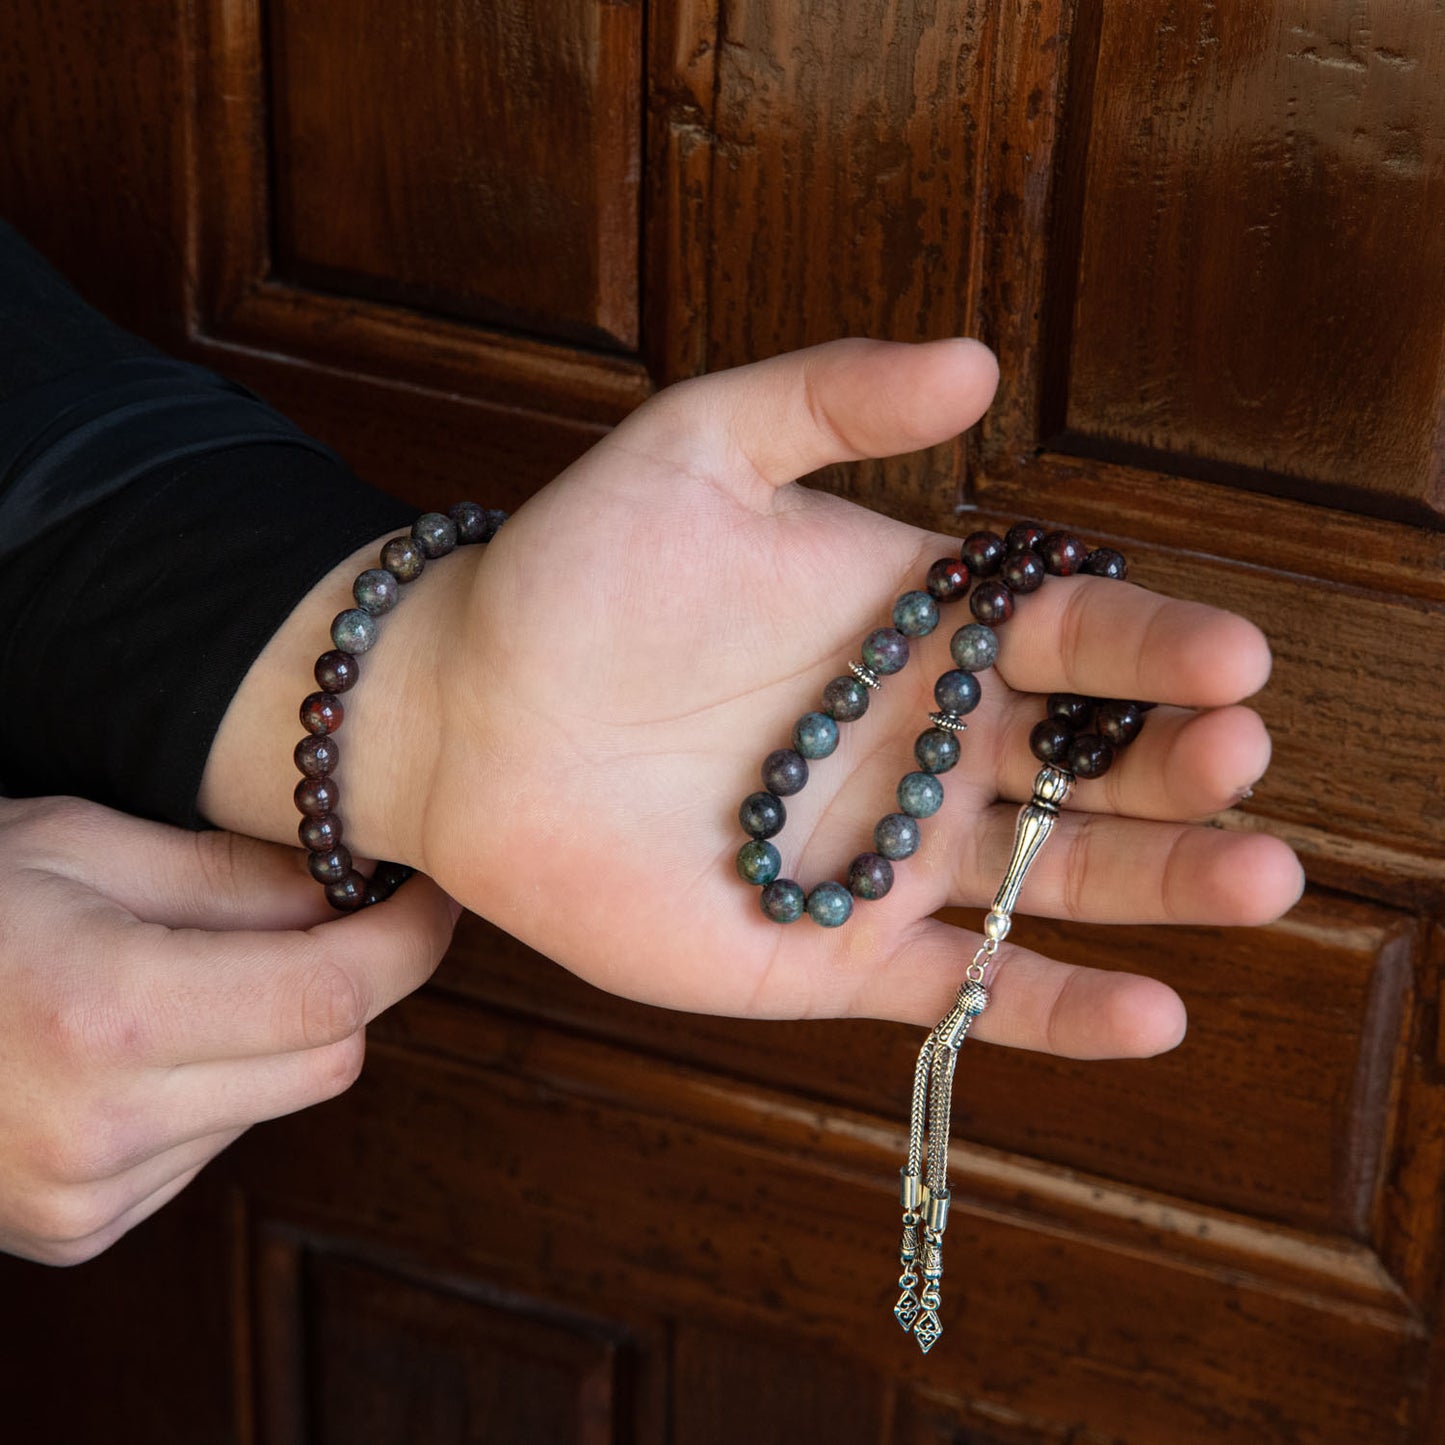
x: 158, y: 523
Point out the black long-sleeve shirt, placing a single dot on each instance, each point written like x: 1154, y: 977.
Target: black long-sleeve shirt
x: 158, y: 523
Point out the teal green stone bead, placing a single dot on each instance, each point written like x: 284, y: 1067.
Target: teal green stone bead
x: 759, y: 862
x: 783, y: 901
x: 885, y: 650
x: 897, y: 836
x: 762, y: 815
x: 974, y: 647
x: 915, y: 614
x: 354, y: 630
x: 815, y: 735
x: 937, y: 750
x: 920, y: 795
x: 845, y: 699
x: 830, y: 905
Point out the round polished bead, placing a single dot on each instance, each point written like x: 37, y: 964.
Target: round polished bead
x: 317, y: 755
x: 1051, y: 740
x: 1105, y: 562
x: 1023, y: 572
x: 785, y: 772
x: 435, y: 534
x: 376, y: 591
x: 354, y: 630
x: 348, y: 894
x: 1119, y: 722
x: 1063, y: 553
x: 320, y: 834
x: 885, y: 651
x: 337, y: 672
x: 762, y: 815
x: 314, y: 796
x: 991, y: 603
x: 759, y: 862
x: 830, y: 904
x: 983, y: 551
x: 920, y: 795
x: 321, y: 712
x: 1070, y: 708
x: 403, y: 559
x: 915, y: 614
x: 474, y: 522
x: 845, y: 699
x: 937, y: 750
x: 783, y: 901
x: 957, y: 692
x: 329, y: 867
x: 1023, y: 537
x: 870, y: 876
x: 386, y: 880
x: 974, y: 647
x: 897, y: 836
x: 1090, y: 756
x: 947, y: 579
x: 815, y: 735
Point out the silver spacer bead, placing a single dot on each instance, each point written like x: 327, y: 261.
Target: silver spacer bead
x: 1052, y: 787
x: 996, y: 925
x: 865, y: 675
x: 949, y: 721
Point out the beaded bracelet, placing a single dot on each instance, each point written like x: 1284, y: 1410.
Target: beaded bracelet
x: 1078, y: 738
x: 354, y: 631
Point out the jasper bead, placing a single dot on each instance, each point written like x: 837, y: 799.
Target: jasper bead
x: 762, y: 815
x: 329, y: 867
x: 870, y: 876
x: 1050, y: 741
x: 830, y: 905
x: 317, y: 755
x: 1023, y: 572
x: 937, y: 750
x: 785, y: 772
x: 783, y: 901
x: 957, y: 692
x: 435, y: 534
x: 974, y: 647
x: 845, y: 699
x: 376, y: 591
x: 1023, y: 536
x: 1090, y: 756
x: 1106, y: 562
x: 983, y: 551
x: 885, y: 651
x: 897, y: 836
x: 947, y: 579
x: 920, y: 795
x: 354, y: 630
x: 1119, y: 722
x: 321, y: 834
x: 1063, y: 553
x: 759, y: 862
x: 915, y: 614
x: 314, y: 796
x: 403, y: 559
x: 815, y: 735
x: 1072, y: 709
x: 337, y: 672
x: 349, y: 894
x: 322, y: 712
x: 991, y: 603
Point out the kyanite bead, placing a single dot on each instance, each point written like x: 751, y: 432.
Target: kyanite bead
x: 915, y: 614
x: 830, y: 905
x: 337, y: 671
x: 759, y: 862
x: 1105, y: 562
x: 885, y: 650
x: 329, y: 867
x: 321, y: 712
x: 974, y: 647
x: 947, y: 579
x: 785, y: 772
x: 314, y: 796
x: 845, y: 699
x: 320, y: 834
x: 815, y: 735
x: 870, y: 875
x: 983, y: 551
x: 1051, y: 740
x: 1090, y: 756
x: 435, y: 534
x: 991, y: 603
x: 354, y: 630
x: 376, y: 591
x: 1119, y: 722
x: 937, y: 750
x: 1023, y: 572
x: 957, y: 692
x: 783, y: 901
x: 317, y: 755
x: 1071, y: 708
x: 897, y: 836
x: 1023, y: 536
x: 762, y: 815
x: 920, y: 795
x: 1063, y: 553
x: 403, y: 559
x: 348, y: 894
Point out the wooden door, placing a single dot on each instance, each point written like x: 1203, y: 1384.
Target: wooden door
x: 458, y: 239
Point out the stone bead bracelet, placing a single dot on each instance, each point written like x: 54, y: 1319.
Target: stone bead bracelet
x: 376, y: 591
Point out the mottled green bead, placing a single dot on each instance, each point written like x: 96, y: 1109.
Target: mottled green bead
x: 845, y: 699
x: 830, y: 905
x: 885, y: 650
x: 762, y: 815
x: 354, y: 631
x: 783, y: 901
x: 974, y: 647
x: 815, y: 735
x: 897, y: 836
x: 920, y: 795
x: 759, y: 862
x: 936, y: 750
x: 870, y: 876
x: 915, y: 614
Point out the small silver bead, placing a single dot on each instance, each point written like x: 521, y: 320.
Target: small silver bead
x: 865, y: 675
x: 1052, y: 786
x: 949, y: 721
x: 996, y: 926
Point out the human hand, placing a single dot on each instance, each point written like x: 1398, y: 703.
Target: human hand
x: 162, y: 991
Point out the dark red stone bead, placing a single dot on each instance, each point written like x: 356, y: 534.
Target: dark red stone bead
x: 1024, y: 537
x: 348, y: 894
x: 315, y: 796
x: 1119, y: 722
x: 1050, y: 741
x: 1090, y: 756
x: 322, y: 712
x: 317, y: 755
x: 1063, y: 553
x: 991, y: 603
x: 1023, y: 571
x: 983, y: 551
x: 321, y: 834
x: 1072, y: 709
x: 947, y: 580
x: 1106, y: 562
x: 337, y: 671
x: 329, y: 867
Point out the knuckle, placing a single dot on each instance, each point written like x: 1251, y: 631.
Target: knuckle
x: 88, y: 1029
